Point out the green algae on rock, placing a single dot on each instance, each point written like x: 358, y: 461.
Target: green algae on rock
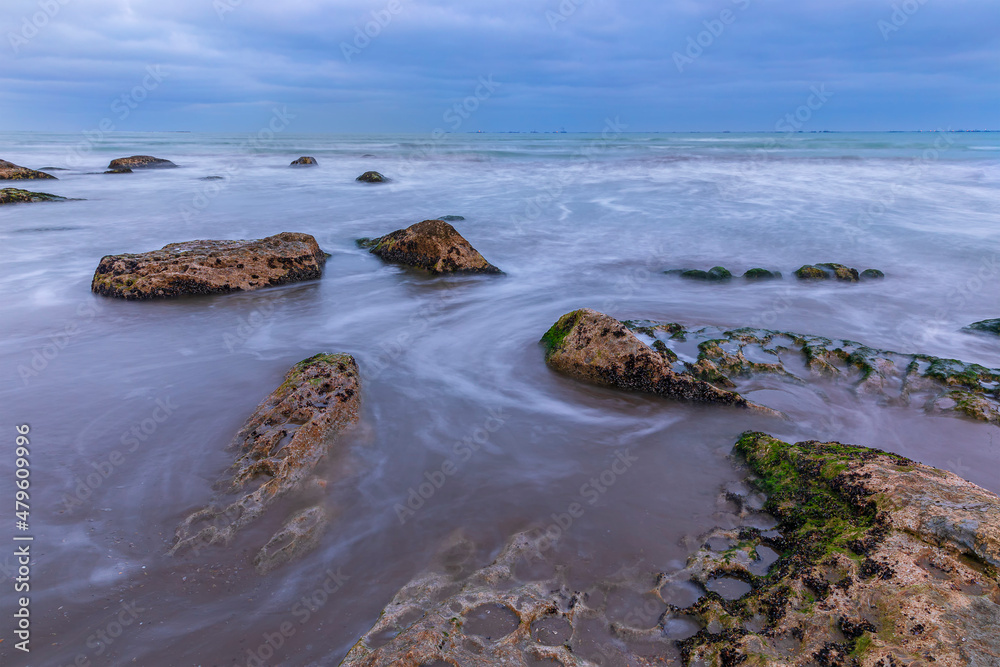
x: 937, y: 385
x: 881, y: 559
x: 597, y: 348
x: 140, y: 162
x: 210, y: 267
x: 304, y: 161
x: 985, y: 327
x: 15, y: 196
x: 372, y: 177
x: 278, y: 449
x: 831, y: 271
x: 432, y: 245
x: 872, y: 274
x: 761, y: 274
x: 12, y: 172
x: 716, y: 273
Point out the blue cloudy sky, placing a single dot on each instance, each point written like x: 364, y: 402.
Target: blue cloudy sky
x: 222, y: 65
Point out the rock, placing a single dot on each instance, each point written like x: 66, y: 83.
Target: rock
x: 872, y: 274
x: 761, y: 274
x: 440, y: 618
x: 304, y: 161
x: 12, y: 172
x: 452, y: 218
x: 985, y: 326
x: 372, y: 177
x: 209, y: 267
x: 433, y: 245
x: 140, y: 162
x: 715, y: 273
x: 826, y: 272
x: 53, y: 169
x: 212, y: 178
x: 15, y: 196
x: 278, y: 449
x: 119, y: 170
x: 596, y: 348
x: 884, y: 561
x: 727, y: 358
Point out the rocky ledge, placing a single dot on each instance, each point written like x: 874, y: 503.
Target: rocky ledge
x: 730, y: 358
x: 15, y: 196
x: 208, y: 267
x: 597, y: 348
x: 278, y: 448
x: 880, y: 561
x: 140, y: 162
x: 12, y: 172
x: 303, y: 161
x: 984, y: 327
x: 432, y: 245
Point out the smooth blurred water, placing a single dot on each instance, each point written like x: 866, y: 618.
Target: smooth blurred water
x: 574, y: 221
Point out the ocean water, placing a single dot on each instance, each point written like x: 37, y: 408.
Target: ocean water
x: 574, y: 221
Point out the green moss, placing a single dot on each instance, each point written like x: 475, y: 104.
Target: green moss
x: 556, y: 335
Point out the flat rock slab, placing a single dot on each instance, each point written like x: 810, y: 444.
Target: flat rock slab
x: 210, y: 267
x: 432, y: 245
x: 12, y: 172
x: 15, y: 196
x: 884, y: 561
x: 597, y: 348
x: 278, y: 449
x: 140, y: 162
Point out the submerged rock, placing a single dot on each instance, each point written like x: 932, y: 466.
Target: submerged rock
x: 278, y: 448
x: 727, y: 357
x: 15, y: 196
x: 209, y: 267
x: 433, y: 245
x: 761, y: 274
x: 140, y: 162
x: 372, y: 177
x: 830, y: 271
x: 597, y: 348
x: 119, y: 170
x: 12, y: 172
x: 452, y: 218
x: 985, y: 326
x: 872, y: 274
x: 883, y: 561
x: 305, y: 160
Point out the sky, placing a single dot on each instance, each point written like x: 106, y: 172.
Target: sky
x: 499, y: 65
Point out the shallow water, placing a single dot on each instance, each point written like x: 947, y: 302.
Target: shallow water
x: 574, y: 221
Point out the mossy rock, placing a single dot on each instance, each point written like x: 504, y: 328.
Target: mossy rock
x: 372, y: 177
x: 714, y: 274
x: 985, y: 326
x: 16, y: 196
x: 761, y: 274
x: 872, y: 274
x: 452, y: 218
x: 304, y: 161
x: 840, y: 272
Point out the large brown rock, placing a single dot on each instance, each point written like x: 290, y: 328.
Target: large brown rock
x: 883, y: 561
x: 433, y: 245
x: 597, y: 348
x: 12, y: 172
x: 278, y: 449
x: 140, y: 162
x: 207, y: 267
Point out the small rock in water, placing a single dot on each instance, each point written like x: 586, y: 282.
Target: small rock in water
x: 433, y: 245
x: 452, y: 218
x: 715, y: 273
x: 827, y: 271
x: 304, y: 160
x: 15, y: 196
x: 12, y: 172
x: 761, y: 274
x: 119, y: 170
x: 985, y: 326
x: 372, y: 177
x: 140, y: 162
x: 872, y: 274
